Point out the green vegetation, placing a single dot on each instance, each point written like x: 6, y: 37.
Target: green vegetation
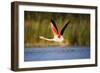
x: 38, y: 24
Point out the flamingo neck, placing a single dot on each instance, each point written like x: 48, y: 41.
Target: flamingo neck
x: 56, y: 38
x: 41, y: 37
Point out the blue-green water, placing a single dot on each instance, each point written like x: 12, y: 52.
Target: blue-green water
x: 52, y: 53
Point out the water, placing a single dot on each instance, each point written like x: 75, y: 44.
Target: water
x: 51, y: 53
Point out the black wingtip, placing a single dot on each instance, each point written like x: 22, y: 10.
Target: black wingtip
x: 54, y: 24
x: 63, y: 29
x: 52, y: 21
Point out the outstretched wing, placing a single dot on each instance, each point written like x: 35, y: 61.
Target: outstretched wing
x: 63, y: 29
x: 54, y: 28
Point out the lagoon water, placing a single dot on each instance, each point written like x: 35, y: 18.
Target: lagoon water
x: 56, y: 53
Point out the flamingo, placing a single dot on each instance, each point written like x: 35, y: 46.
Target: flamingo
x: 58, y: 36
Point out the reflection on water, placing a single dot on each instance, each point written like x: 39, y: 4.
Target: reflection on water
x: 52, y: 53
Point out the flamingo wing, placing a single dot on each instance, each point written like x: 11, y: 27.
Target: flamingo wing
x: 63, y: 29
x: 54, y: 28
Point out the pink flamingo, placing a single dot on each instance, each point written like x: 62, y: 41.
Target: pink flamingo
x: 58, y: 36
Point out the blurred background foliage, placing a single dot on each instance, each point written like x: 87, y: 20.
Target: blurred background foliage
x: 38, y: 24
